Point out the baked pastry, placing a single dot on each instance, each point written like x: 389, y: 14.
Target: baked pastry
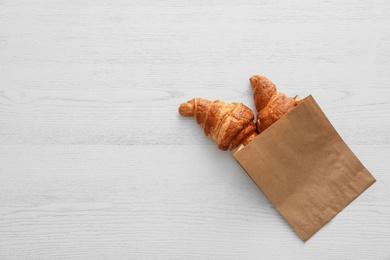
x: 228, y: 124
x: 271, y: 104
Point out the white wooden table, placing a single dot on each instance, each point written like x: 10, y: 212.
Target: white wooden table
x: 96, y: 163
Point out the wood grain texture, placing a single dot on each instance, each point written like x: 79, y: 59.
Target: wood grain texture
x: 96, y: 163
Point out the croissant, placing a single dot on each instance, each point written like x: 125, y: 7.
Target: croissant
x: 270, y: 104
x: 229, y: 125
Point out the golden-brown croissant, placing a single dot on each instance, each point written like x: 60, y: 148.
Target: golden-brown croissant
x: 229, y: 125
x: 271, y: 104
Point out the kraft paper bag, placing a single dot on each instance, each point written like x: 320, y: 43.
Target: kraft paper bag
x: 304, y: 168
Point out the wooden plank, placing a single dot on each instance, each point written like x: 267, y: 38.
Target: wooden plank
x: 150, y: 117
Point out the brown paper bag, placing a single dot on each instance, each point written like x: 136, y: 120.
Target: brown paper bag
x: 304, y: 168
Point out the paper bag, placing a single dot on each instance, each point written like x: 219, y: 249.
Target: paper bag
x: 304, y: 168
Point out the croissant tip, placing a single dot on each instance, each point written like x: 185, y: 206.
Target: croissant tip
x: 186, y: 109
x: 255, y: 79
